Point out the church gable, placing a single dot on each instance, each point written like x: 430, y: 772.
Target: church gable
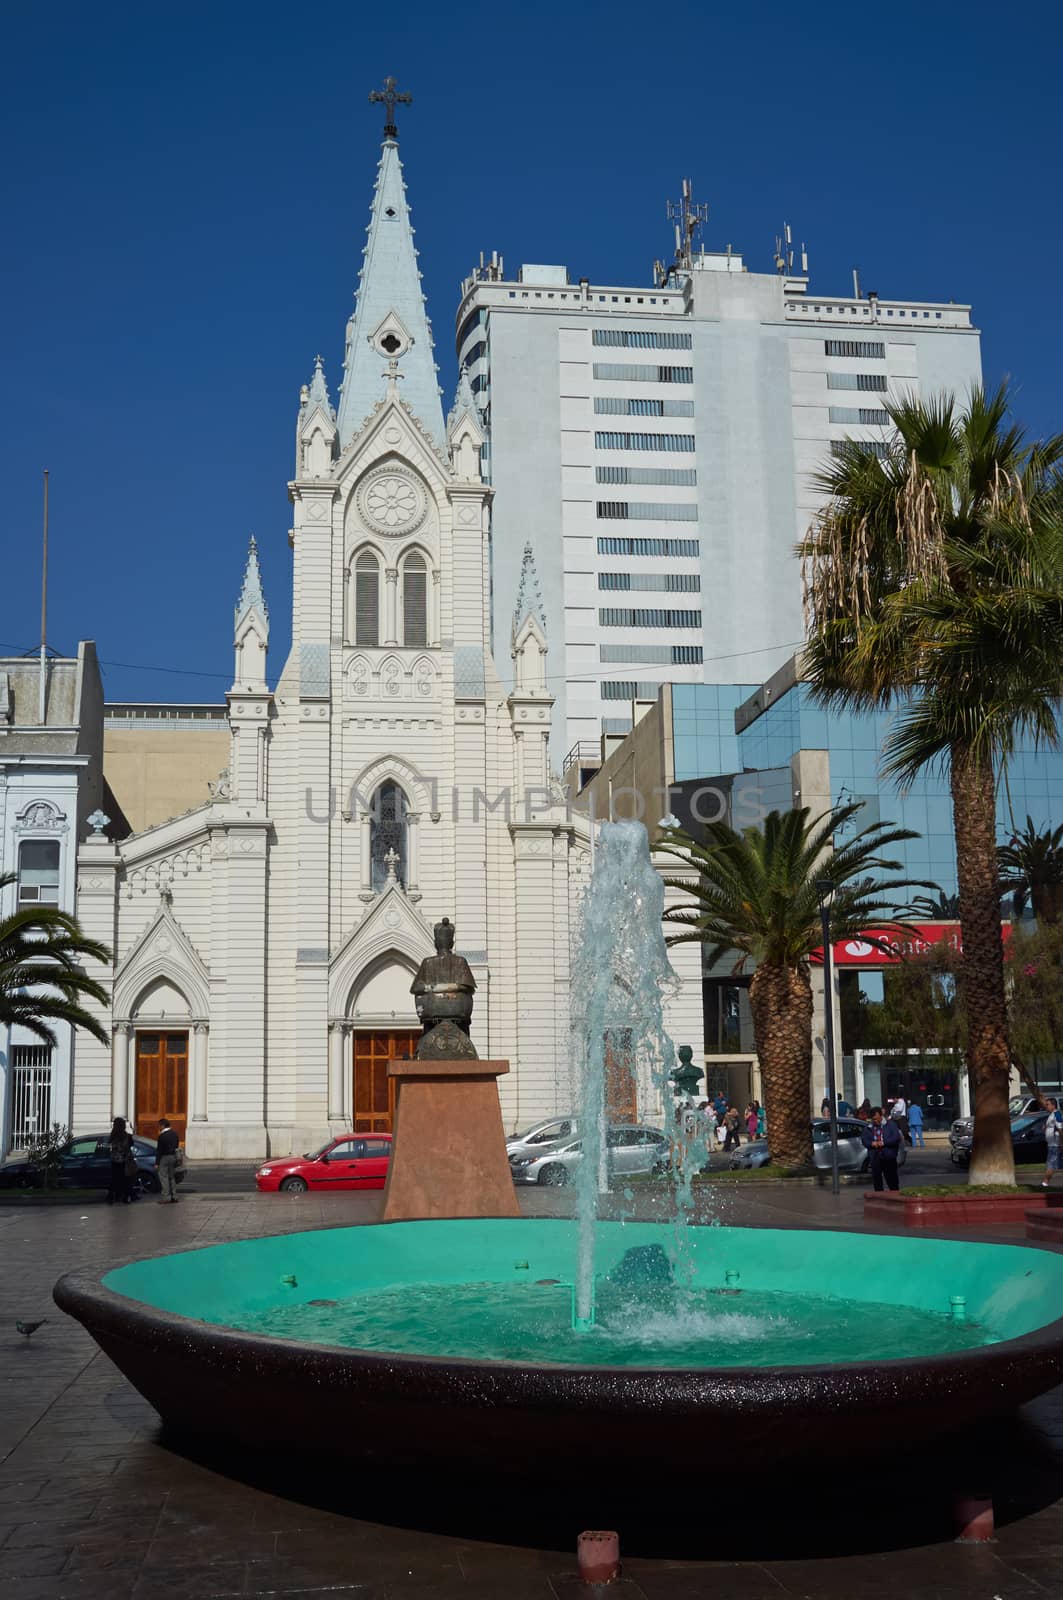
x: 391, y: 925
x: 162, y: 956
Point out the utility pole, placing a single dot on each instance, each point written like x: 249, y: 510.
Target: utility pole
x: 43, y: 697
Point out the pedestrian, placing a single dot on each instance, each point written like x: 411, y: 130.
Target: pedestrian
x: 751, y: 1121
x: 824, y: 1108
x: 719, y: 1105
x: 863, y: 1110
x: 762, y: 1121
x: 166, y: 1161
x: 732, y: 1139
x: 915, y: 1125
x: 882, y: 1139
x: 1053, y: 1147
x: 899, y: 1114
x: 121, y: 1151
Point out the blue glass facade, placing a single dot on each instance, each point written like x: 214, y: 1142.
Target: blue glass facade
x: 703, y: 728
x: 705, y: 740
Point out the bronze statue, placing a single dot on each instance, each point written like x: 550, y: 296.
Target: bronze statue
x: 443, y: 989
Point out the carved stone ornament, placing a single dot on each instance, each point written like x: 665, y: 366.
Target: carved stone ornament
x: 391, y: 502
x: 41, y: 815
x: 446, y: 1042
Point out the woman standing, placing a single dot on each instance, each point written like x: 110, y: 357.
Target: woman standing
x: 121, y: 1150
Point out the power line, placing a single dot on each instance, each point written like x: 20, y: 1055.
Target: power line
x: 551, y: 677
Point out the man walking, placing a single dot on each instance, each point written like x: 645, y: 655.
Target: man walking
x: 915, y: 1126
x: 882, y: 1139
x: 899, y: 1113
x: 166, y: 1161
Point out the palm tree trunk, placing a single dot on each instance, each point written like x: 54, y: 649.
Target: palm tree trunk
x: 974, y: 814
x: 780, y: 999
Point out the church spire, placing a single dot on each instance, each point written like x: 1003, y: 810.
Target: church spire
x: 251, y: 597
x: 529, y: 595
x: 317, y: 394
x: 389, y: 320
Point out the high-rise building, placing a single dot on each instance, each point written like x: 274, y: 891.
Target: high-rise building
x: 657, y: 445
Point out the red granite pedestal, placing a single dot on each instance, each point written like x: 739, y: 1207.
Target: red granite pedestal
x: 449, y: 1151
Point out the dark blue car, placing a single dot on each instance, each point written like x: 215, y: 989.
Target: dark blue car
x: 85, y: 1163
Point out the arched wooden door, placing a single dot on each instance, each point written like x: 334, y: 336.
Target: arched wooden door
x: 374, y: 1091
x: 162, y: 1082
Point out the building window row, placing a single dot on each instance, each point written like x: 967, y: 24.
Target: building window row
x: 616, y: 724
x: 647, y: 617
x: 371, y: 627
x: 669, y: 582
x: 615, y: 546
x: 840, y: 447
x: 873, y: 349
x: 644, y: 441
x: 639, y: 372
x: 633, y: 339
x: 607, y: 406
x: 644, y: 511
x: 677, y: 477
x: 858, y: 380
x: 628, y: 689
x: 870, y: 416
x: 472, y: 355
x: 652, y: 655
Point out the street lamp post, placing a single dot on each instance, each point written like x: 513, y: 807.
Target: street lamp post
x: 825, y: 892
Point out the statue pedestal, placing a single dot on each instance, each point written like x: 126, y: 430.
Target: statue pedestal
x: 449, y: 1152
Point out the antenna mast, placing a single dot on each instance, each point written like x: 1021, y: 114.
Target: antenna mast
x: 688, y: 218
x: 43, y: 698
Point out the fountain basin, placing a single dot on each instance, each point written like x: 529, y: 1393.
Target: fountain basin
x: 187, y: 1330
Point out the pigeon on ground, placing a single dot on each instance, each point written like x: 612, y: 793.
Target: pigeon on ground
x: 27, y: 1329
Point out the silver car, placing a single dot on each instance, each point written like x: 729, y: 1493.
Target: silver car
x: 542, y: 1136
x: 631, y: 1152
x: 852, y: 1153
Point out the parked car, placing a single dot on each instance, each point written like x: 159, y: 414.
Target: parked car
x: 541, y: 1135
x: 632, y: 1150
x: 85, y: 1163
x: 351, y: 1161
x: 1028, y: 1142
x: 852, y: 1156
x: 1020, y: 1105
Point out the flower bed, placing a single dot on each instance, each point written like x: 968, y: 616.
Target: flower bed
x: 966, y: 1208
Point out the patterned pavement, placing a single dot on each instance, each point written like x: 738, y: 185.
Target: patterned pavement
x: 96, y: 1502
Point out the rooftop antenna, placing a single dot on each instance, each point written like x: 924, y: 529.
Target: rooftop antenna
x: 43, y: 698
x: 856, y: 283
x: 689, y: 218
x: 784, y: 250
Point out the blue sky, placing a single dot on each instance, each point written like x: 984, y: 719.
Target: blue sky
x: 185, y: 193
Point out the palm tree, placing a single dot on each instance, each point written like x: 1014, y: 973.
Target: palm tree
x: 934, y: 577
x: 1031, y: 869
x: 756, y: 895
x: 42, y: 980
x: 940, y: 907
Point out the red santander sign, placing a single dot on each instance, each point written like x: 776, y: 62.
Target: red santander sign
x: 916, y: 939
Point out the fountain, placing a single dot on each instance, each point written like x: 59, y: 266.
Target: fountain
x: 499, y: 1340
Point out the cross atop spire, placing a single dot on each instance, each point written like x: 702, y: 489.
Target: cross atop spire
x: 390, y: 98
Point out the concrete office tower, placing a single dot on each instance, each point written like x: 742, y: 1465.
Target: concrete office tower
x: 656, y: 446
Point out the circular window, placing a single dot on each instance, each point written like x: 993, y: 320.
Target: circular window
x: 391, y: 502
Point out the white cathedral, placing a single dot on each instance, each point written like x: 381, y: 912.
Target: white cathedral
x: 265, y: 942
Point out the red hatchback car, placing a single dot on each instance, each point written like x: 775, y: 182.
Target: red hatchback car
x: 353, y: 1161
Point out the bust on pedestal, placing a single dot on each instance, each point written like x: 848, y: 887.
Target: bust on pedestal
x: 449, y: 1152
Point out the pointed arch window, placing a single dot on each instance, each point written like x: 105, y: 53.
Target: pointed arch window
x: 388, y: 836
x: 367, y: 599
x: 415, y: 600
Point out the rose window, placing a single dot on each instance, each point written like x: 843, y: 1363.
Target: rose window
x: 392, y: 502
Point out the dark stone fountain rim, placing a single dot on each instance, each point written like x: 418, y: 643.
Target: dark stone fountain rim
x: 86, y: 1297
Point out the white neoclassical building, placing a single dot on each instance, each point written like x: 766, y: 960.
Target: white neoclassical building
x: 265, y: 942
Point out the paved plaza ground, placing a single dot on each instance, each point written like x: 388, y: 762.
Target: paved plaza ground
x: 96, y: 1501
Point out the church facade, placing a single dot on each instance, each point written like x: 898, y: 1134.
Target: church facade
x: 265, y: 942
